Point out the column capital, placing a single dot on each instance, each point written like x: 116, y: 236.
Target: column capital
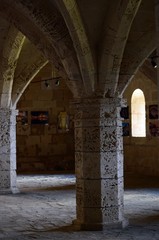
x: 102, y: 110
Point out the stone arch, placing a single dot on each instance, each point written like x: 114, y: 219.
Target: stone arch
x: 26, y: 70
x: 11, y: 48
x: 45, y: 27
x: 136, y: 59
x: 116, y: 31
x: 141, y: 43
x: 70, y: 12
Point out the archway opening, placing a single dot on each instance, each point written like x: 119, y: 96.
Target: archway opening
x: 45, y: 148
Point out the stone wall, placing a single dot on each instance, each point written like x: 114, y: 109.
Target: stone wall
x: 141, y: 154
x: 42, y: 148
x: 45, y: 147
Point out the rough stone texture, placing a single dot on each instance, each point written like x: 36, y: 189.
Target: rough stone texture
x: 126, y: 36
x: 108, y: 165
x: 27, y: 70
x: 48, y: 20
x: 11, y: 50
x: 116, y: 30
x: 42, y: 147
x: 8, y: 150
x: 77, y: 31
x: 92, y: 193
x: 99, y: 186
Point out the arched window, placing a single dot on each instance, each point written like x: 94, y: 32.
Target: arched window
x: 138, y: 117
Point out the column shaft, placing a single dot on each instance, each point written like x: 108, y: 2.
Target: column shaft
x: 8, y: 151
x: 99, y: 163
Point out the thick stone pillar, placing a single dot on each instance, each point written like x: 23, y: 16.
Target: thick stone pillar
x: 99, y: 164
x: 8, y: 151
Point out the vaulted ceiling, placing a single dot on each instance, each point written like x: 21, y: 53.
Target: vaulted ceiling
x: 96, y: 46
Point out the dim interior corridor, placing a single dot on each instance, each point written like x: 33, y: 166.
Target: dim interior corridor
x: 45, y: 208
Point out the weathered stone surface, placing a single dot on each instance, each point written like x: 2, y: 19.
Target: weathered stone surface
x: 6, y: 164
x: 95, y: 193
x: 112, y: 164
x: 99, y: 162
x: 7, y: 149
x: 5, y: 179
x: 103, y: 164
x: 41, y: 213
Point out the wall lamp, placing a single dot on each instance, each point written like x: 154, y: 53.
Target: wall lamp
x: 153, y: 62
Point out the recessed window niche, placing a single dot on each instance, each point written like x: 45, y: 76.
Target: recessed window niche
x: 138, y: 115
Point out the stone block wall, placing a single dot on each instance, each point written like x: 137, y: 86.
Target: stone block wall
x: 141, y: 154
x: 44, y: 147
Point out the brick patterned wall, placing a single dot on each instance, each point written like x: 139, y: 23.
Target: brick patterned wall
x: 45, y: 148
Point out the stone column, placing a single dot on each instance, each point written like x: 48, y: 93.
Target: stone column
x: 8, y: 151
x: 99, y: 164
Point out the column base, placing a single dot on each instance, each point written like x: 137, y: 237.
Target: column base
x: 6, y: 191
x: 99, y: 226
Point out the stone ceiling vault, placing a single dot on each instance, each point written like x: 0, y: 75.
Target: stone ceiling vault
x: 96, y: 46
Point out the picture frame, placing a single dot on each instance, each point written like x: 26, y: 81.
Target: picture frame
x: 124, y: 113
x: 63, y: 121
x: 39, y: 117
x: 22, y: 117
x: 154, y: 128
x: 153, y: 111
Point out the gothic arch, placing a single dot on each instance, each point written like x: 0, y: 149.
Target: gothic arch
x: 10, y: 50
x: 141, y: 42
x: 70, y: 12
x: 47, y: 30
x: 116, y: 31
x: 26, y: 70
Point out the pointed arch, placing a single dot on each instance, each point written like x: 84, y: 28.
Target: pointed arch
x: 11, y: 49
x: 138, y: 114
x: 26, y: 70
x: 71, y: 14
x: 44, y: 26
x: 117, y: 27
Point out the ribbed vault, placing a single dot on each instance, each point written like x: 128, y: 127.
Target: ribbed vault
x: 96, y: 57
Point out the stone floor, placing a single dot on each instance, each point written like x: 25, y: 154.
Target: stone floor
x: 45, y: 208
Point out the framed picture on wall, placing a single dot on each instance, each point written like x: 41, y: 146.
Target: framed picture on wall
x: 126, y: 129
x: 153, y: 111
x: 154, y: 128
x: 39, y: 117
x: 124, y: 113
x: 63, y: 121
x: 22, y: 117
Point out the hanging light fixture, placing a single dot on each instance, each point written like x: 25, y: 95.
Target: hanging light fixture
x: 47, y: 85
x: 57, y: 82
x: 47, y: 81
x: 153, y: 61
x: 54, y: 77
